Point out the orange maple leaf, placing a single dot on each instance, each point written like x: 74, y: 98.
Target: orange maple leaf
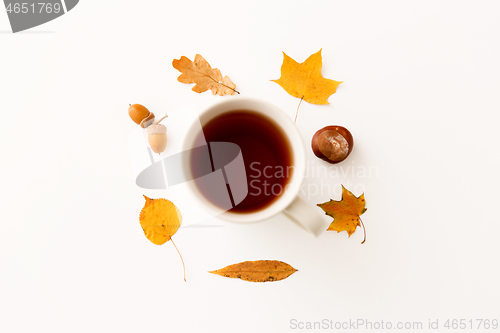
x: 346, y: 212
x: 305, y: 81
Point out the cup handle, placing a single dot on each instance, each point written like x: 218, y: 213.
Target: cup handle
x: 306, y: 216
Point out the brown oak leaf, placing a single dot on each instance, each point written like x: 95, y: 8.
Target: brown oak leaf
x: 205, y: 77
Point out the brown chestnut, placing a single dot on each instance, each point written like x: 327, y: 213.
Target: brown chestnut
x: 332, y: 144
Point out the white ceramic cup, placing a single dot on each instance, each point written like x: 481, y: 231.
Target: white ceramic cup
x: 289, y: 203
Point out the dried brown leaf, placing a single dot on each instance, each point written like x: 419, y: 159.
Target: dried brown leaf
x: 205, y: 77
x: 257, y: 271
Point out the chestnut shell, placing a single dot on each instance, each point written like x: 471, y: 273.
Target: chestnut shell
x: 342, y: 131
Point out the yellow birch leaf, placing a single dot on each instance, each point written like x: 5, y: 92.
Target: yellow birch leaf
x: 205, y: 77
x: 160, y: 219
x: 257, y: 271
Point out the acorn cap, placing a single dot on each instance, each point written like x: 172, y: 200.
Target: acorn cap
x: 148, y: 120
x: 156, y: 129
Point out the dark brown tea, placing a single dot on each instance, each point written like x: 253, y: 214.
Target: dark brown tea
x: 266, y: 152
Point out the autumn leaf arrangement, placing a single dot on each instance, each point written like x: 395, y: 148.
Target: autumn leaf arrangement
x: 302, y: 80
x: 160, y: 218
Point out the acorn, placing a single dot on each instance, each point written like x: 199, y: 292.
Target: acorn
x: 138, y: 113
x: 157, y: 137
x: 157, y: 133
x: 332, y: 144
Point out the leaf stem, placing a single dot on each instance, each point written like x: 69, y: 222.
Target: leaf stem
x: 297, y: 113
x: 364, y: 230
x: 183, y: 266
x: 222, y: 84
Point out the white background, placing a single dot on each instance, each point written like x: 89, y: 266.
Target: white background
x: 420, y: 95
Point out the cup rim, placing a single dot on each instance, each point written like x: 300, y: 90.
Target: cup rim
x: 289, y: 130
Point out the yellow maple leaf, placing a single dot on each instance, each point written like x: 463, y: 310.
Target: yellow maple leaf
x: 345, y: 212
x: 305, y: 81
x: 160, y: 219
x: 205, y: 77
